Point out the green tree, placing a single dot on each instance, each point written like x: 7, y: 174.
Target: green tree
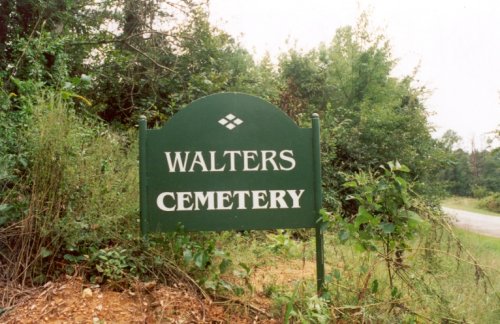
x: 368, y: 116
x: 488, y: 170
x: 469, y: 173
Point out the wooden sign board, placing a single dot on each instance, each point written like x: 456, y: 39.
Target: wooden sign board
x: 230, y: 161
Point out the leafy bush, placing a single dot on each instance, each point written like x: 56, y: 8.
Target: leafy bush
x: 479, y: 192
x: 80, y: 189
x: 13, y: 160
x: 387, y: 214
x: 491, y: 202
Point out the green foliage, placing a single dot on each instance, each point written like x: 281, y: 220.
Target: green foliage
x: 479, y: 192
x: 386, y: 211
x: 468, y: 204
x: 282, y: 243
x: 491, y: 202
x: 200, y: 255
x: 368, y: 116
x: 303, y: 307
x: 387, y: 218
x: 13, y: 160
x: 113, y: 264
x: 473, y: 173
x: 159, y: 74
x: 80, y: 189
x: 457, y: 175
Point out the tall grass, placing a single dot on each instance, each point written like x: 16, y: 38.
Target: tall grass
x: 453, y: 278
x: 475, y: 300
x: 80, y: 189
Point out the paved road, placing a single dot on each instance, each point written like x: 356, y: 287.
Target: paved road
x: 483, y: 224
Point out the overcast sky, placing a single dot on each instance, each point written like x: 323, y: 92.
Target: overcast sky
x: 455, y: 42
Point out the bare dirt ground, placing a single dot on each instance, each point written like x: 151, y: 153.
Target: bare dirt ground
x: 70, y: 300
x: 482, y: 224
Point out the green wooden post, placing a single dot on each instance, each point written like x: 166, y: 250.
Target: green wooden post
x: 142, y: 170
x: 320, y: 259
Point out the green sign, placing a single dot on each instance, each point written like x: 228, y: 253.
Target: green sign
x: 230, y: 161
x: 227, y: 161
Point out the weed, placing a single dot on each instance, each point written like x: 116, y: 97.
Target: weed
x: 114, y: 264
x: 67, y: 202
x: 303, y: 306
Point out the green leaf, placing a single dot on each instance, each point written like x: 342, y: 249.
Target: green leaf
x: 187, y: 255
x: 401, y: 181
x: 210, y: 284
x: 396, y: 166
x: 359, y: 247
x: 325, y: 217
x: 23, y: 162
x: 3, y: 220
x: 350, y: 184
x: 44, y: 252
x: 4, y: 208
x: 200, y: 259
x: 388, y: 228
x: 374, y: 286
x: 238, y: 291
x: 245, y: 266
x: 344, y: 235
x: 403, y: 168
x: 69, y: 257
x: 414, y: 216
x: 224, y: 265
x: 363, y: 217
x: 226, y: 285
x: 336, y: 274
x: 395, y: 293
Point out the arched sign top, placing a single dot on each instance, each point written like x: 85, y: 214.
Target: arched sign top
x: 232, y: 115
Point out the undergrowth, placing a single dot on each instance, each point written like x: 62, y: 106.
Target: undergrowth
x: 73, y: 209
x: 69, y: 206
x: 447, y: 277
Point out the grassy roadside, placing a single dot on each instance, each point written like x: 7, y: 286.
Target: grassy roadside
x: 485, y: 247
x: 445, y: 284
x: 467, y: 204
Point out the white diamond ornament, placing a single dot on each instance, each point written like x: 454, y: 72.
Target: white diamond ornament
x: 230, y: 121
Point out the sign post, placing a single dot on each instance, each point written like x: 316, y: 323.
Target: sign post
x: 231, y: 161
x: 320, y: 259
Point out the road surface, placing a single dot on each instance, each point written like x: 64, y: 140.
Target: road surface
x: 482, y: 224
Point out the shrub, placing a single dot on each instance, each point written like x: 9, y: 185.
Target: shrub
x: 479, y: 192
x: 80, y: 190
x: 491, y: 202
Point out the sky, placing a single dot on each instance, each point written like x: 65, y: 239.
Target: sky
x: 454, y: 43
